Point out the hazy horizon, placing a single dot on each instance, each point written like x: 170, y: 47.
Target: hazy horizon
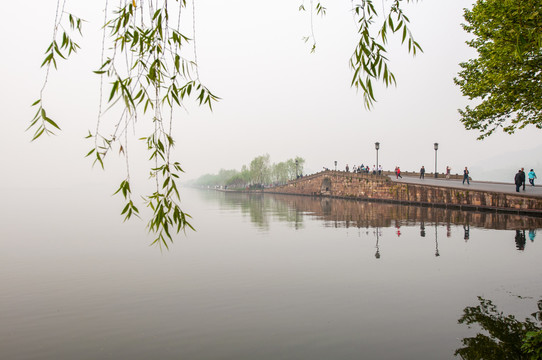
x: 277, y: 97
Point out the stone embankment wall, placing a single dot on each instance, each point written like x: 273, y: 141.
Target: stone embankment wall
x: 382, y: 188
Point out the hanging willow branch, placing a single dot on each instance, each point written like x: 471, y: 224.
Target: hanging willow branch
x: 149, y: 75
x: 146, y: 61
x: 369, y: 61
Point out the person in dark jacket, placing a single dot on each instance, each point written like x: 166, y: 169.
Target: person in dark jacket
x: 523, y: 178
x: 518, y: 179
x: 466, y: 176
x: 422, y: 173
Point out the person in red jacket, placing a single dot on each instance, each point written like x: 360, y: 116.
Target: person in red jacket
x: 398, y: 172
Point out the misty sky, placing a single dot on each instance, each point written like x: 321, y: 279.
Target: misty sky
x: 277, y: 98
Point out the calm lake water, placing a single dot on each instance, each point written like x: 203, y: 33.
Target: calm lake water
x: 263, y: 277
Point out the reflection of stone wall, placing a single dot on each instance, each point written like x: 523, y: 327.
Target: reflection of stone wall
x: 369, y: 214
x: 370, y: 187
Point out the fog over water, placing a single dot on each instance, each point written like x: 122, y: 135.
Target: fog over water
x: 262, y: 277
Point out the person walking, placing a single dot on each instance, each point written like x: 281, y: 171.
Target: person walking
x: 523, y: 178
x: 466, y: 176
x: 517, y: 180
x: 531, y: 176
x: 448, y: 169
x: 422, y: 172
x: 399, y: 172
x: 347, y: 168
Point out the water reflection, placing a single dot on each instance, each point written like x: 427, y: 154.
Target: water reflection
x: 501, y: 336
x: 436, y: 242
x: 520, y: 240
x: 349, y: 213
x: 377, y: 232
x: 259, y: 207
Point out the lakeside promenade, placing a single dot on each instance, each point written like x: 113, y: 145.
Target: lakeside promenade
x: 411, y: 190
x: 498, y: 187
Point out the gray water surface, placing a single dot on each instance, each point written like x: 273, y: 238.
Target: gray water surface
x: 263, y: 277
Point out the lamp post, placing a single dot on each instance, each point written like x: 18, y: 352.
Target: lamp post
x: 436, y: 148
x: 335, y: 165
x: 377, y: 146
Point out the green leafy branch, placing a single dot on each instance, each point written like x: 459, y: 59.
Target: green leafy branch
x: 369, y: 61
x: 320, y: 10
x: 148, y: 74
x: 41, y: 123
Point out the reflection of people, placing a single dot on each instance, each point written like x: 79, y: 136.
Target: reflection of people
x: 466, y: 229
x: 520, y: 240
x: 422, y: 229
x: 532, y: 234
x: 448, y: 230
x: 398, y: 227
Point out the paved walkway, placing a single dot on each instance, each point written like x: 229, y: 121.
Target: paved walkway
x: 535, y: 191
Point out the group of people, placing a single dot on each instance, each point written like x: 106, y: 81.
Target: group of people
x: 448, y: 171
x: 519, y: 179
x: 365, y: 169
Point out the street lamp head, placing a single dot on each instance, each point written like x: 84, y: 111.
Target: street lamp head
x: 436, y: 146
x: 377, y: 145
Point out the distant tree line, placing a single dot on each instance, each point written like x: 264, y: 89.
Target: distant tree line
x: 259, y: 173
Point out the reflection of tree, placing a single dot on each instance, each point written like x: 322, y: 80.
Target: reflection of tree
x: 503, y: 335
x: 259, y: 207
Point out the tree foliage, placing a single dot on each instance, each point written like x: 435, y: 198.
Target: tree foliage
x: 505, y: 78
x: 259, y: 172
